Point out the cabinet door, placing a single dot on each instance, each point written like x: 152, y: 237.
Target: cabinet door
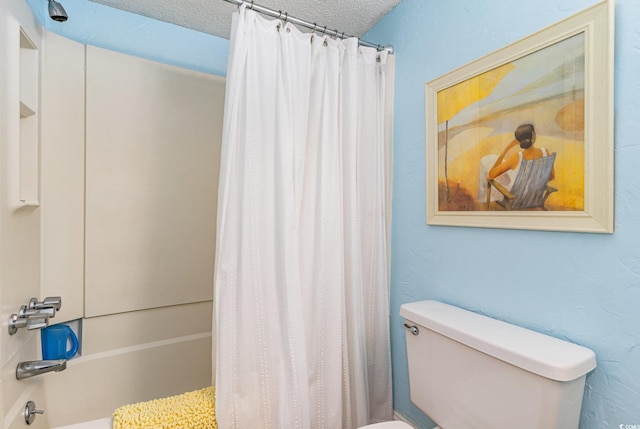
x: 153, y: 136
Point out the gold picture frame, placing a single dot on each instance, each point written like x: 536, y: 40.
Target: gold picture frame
x: 556, y: 84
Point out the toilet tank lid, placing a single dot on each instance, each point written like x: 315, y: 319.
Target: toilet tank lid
x: 532, y: 351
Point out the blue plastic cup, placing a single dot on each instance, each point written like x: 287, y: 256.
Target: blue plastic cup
x: 58, y: 342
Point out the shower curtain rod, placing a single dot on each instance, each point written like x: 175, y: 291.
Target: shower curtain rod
x: 312, y: 25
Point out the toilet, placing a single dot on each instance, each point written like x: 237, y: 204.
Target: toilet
x: 468, y: 371
x: 387, y: 425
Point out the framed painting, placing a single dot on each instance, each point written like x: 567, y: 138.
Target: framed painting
x: 523, y: 137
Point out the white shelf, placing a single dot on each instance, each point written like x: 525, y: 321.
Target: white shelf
x: 29, y: 123
x: 25, y: 111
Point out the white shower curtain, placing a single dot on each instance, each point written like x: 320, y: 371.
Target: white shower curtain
x: 302, y: 307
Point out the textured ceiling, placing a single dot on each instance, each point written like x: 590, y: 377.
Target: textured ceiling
x: 354, y: 17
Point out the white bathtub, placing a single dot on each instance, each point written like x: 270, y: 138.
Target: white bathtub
x: 105, y: 423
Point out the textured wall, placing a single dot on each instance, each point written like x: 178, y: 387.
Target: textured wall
x: 94, y: 24
x: 584, y: 288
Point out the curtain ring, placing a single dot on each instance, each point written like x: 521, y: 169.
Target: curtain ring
x: 324, y: 30
x: 286, y: 17
x: 251, y: 4
x: 315, y: 27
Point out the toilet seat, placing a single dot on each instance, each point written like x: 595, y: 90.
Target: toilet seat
x: 396, y: 424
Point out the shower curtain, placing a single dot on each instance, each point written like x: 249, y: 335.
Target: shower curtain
x: 301, y: 278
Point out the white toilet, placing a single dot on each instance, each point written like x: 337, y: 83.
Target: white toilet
x: 468, y: 371
x: 387, y: 425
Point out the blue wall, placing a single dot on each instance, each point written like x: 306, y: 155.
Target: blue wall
x: 95, y: 24
x: 584, y: 288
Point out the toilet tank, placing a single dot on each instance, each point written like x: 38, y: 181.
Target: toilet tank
x: 471, y: 371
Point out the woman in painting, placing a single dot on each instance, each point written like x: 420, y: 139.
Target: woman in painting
x: 505, y: 168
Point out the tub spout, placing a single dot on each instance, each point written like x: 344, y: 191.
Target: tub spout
x: 37, y: 367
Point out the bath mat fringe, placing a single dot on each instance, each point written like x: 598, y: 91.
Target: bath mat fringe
x: 191, y: 410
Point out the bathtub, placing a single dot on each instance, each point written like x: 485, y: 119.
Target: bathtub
x: 105, y: 423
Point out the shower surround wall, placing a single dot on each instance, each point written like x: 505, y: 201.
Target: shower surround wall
x: 19, y: 225
x: 129, y: 223
x: 138, y: 343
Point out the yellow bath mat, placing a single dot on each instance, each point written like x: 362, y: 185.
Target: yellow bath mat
x: 191, y: 410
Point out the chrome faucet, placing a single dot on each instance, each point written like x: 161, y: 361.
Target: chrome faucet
x: 35, y: 315
x: 37, y: 367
